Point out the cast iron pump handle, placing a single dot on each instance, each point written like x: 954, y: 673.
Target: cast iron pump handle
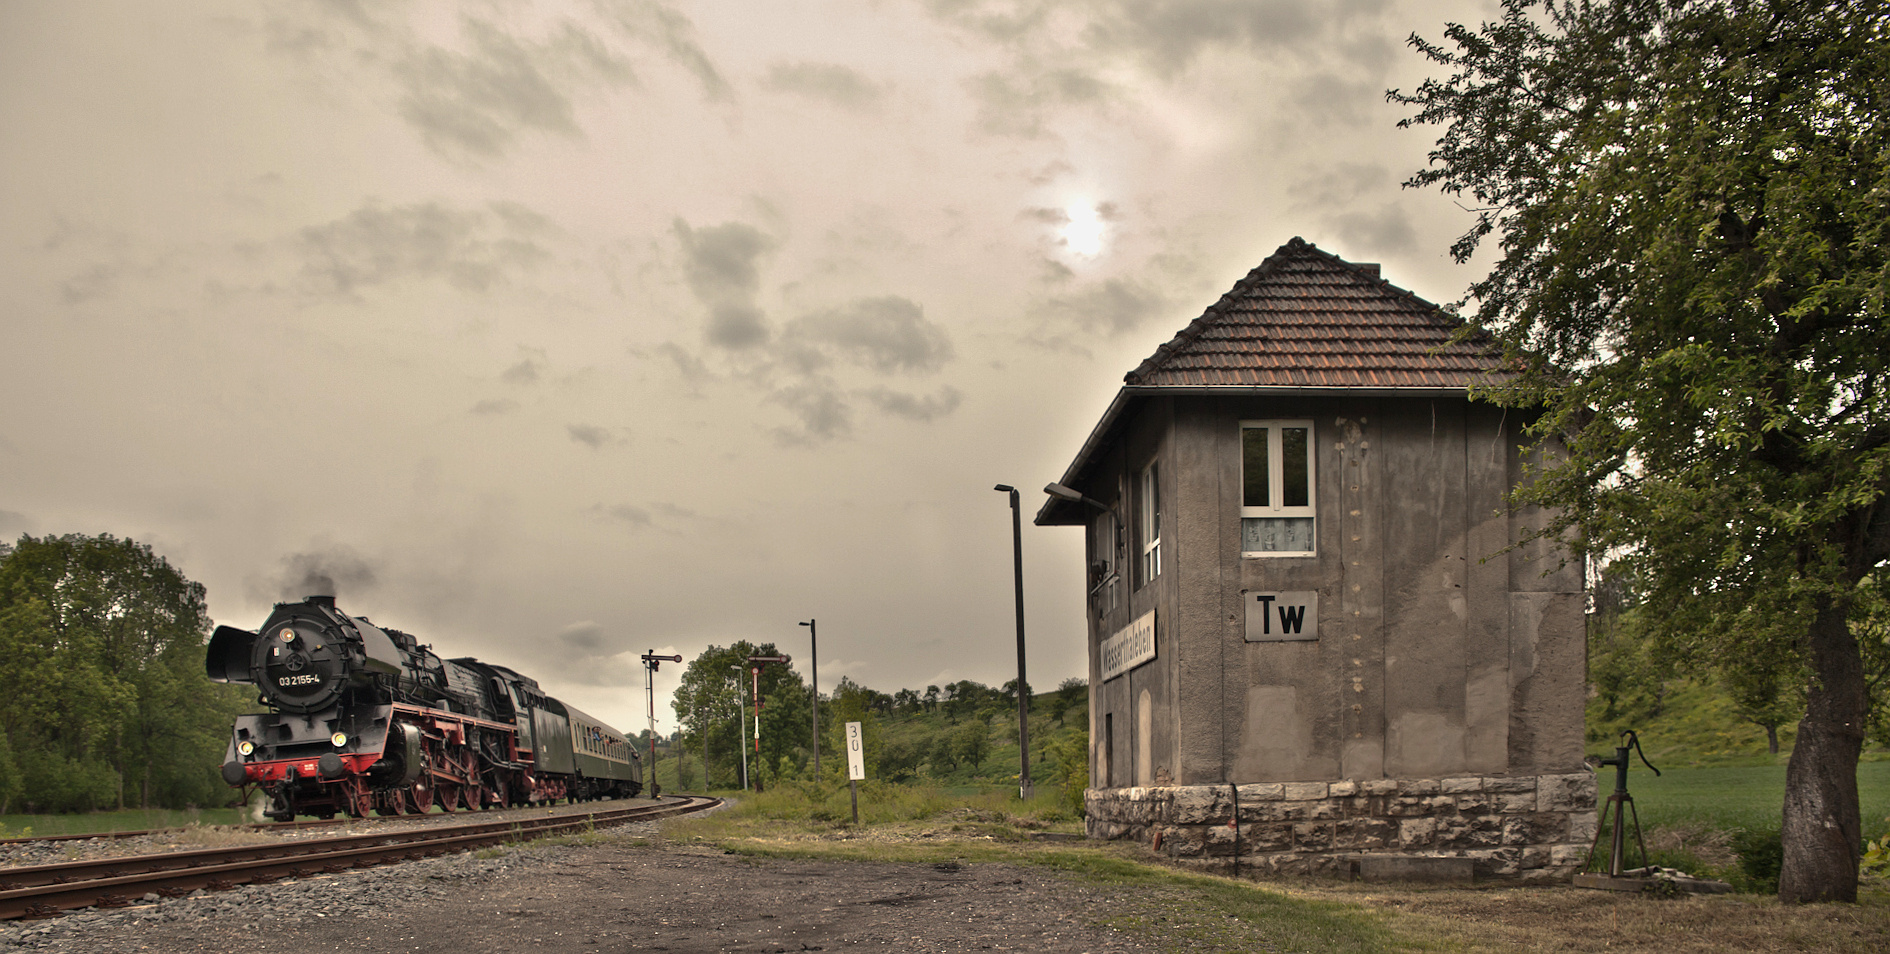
x: 1620, y: 760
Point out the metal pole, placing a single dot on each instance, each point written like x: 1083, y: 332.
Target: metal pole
x: 650, y: 662
x: 649, y: 684
x: 1023, y: 692
x: 813, y: 636
x: 741, y: 728
x: 756, y: 696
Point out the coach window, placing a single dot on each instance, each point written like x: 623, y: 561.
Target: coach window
x: 1276, y: 476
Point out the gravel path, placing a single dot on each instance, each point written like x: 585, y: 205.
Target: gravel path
x: 628, y: 891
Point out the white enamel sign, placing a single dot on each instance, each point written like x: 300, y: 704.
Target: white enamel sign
x: 1130, y: 648
x: 1283, y: 616
x: 856, y: 756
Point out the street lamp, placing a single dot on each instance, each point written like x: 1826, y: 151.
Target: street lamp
x: 813, y: 636
x: 1023, y: 692
x: 741, y: 726
x: 1075, y: 496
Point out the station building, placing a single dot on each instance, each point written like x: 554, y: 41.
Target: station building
x: 1312, y: 645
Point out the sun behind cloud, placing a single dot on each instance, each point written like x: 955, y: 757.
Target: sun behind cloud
x: 1084, y: 230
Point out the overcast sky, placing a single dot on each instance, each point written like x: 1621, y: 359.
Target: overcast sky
x: 556, y: 332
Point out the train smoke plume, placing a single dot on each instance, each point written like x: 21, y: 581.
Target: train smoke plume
x: 337, y: 571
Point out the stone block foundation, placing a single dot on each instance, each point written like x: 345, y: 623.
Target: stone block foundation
x: 1525, y: 828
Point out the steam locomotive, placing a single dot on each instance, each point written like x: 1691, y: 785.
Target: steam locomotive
x: 367, y: 719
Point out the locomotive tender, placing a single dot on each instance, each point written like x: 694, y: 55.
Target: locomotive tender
x: 368, y: 719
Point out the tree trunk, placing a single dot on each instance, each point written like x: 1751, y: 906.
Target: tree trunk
x: 1822, y: 828
x: 1771, y: 738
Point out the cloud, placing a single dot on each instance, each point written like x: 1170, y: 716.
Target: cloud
x: 1017, y: 104
x: 476, y: 95
x: 669, y: 30
x: 493, y: 407
x: 736, y: 326
x: 884, y: 335
x: 1385, y: 229
x: 592, y: 436
x: 1111, y: 307
x: 632, y: 515
x: 584, y: 636
x: 96, y: 281
x: 830, y: 83
x: 688, y: 365
x: 327, y: 570
x: 887, y: 334
x: 721, y: 265
x: 12, y: 525
x: 913, y: 407
x: 471, y: 249
x: 481, y: 100
x: 821, y: 410
x: 526, y: 371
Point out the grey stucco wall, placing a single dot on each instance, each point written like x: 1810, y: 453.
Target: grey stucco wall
x: 1438, y: 653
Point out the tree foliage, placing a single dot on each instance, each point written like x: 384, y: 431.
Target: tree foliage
x: 715, y: 698
x: 1690, y: 200
x: 101, y: 661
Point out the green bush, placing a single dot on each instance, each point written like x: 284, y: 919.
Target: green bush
x: 1761, y: 854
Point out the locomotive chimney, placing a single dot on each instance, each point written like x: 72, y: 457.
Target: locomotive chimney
x: 320, y: 600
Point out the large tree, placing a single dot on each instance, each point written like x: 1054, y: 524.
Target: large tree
x: 717, y: 684
x: 101, y: 662
x: 1689, y: 202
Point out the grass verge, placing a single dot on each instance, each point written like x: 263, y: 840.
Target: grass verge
x: 1176, y: 910
x: 1164, y: 907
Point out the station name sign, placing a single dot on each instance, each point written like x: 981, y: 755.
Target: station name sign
x: 1130, y: 648
x: 1282, y: 617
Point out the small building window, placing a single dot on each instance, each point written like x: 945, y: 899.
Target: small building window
x: 1150, y: 524
x: 1103, y: 574
x: 1276, y: 477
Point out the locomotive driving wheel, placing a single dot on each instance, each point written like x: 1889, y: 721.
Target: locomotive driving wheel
x: 419, y: 798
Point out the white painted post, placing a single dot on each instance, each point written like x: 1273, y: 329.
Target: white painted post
x: 856, y: 766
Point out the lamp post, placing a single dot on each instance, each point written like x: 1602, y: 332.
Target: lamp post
x: 1023, y: 691
x: 741, y: 727
x: 813, y: 636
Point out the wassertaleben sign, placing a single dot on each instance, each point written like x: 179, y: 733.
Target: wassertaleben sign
x: 1282, y: 616
x: 1130, y: 648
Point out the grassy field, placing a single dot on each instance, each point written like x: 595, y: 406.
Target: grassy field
x: 1738, y: 797
x: 16, y: 826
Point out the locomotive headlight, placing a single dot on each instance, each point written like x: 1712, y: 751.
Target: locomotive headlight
x: 246, y: 747
x: 339, y: 739
x: 287, y: 635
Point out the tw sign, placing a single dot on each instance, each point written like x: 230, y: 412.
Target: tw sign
x: 1279, y: 617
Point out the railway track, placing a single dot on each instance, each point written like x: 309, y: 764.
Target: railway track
x: 46, y: 890
x: 261, y: 826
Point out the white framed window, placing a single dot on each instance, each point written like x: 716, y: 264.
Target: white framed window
x: 1276, y: 488
x: 1149, y: 523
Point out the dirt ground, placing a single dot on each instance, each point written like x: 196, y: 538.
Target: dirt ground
x: 634, y: 891
x: 627, y: 897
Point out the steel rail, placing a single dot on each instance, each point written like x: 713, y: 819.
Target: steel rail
x: 45, y: 890
x: 248, y: 826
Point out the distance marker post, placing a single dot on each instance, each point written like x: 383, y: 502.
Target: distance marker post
x: 856, y: 766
